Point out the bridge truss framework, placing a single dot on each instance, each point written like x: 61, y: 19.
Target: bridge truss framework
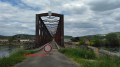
x: 43, y: 35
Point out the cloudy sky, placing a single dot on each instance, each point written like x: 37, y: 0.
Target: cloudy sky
x: 82, y: 17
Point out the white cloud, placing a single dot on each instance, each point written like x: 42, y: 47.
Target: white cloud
x: 82, y: 17
x: 104, y: 5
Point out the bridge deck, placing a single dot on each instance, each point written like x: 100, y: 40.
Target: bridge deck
x: 56, y: 59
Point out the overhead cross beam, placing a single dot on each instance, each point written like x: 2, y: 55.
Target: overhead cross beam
x: 43, y: 36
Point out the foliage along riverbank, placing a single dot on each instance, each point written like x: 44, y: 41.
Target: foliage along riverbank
x: 110, y: 40
x: 87, y: 58
x: 15, y: 58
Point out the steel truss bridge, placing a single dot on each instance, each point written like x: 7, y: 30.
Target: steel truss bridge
x: 49, y: 28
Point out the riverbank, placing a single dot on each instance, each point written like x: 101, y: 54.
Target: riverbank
x: 115, y: 50
x: 15, y: 58
x: 87, y: 58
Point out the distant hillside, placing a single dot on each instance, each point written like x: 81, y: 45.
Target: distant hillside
x: 101, y: 36
x: 67, y: 37
x: 117, y: 33
x: 4, y: 37
x: 27, y: 36
x: 24, y: 36
x: 21, y: 36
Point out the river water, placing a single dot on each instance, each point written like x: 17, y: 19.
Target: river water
x: 5, y: 51
x: 114, y: 50
x: 117, y: 51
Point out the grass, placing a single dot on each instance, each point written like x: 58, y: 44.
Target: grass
x: 15, y: 58
x: 87, y: 58
x: 83, y: 53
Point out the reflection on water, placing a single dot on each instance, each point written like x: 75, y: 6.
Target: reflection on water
x: 6, y: 50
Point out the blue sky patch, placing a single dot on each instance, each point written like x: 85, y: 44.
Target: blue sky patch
x: 20, y: 4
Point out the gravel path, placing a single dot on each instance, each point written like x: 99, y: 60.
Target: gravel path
x: 55, y: 59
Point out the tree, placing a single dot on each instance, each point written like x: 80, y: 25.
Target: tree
x: 112, y: 40
x: 96, y: 41
x: 75, y: 39
x: 11, y: 39
x: 81, y: 42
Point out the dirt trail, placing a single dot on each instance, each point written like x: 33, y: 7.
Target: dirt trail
x: 56, y: 59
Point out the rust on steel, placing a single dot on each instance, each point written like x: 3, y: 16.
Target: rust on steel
x: 43, y: 36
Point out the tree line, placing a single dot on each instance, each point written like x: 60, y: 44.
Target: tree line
x: 107, y: 40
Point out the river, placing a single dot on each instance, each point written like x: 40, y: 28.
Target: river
x: 117, y: 51
x: 114, y: 50
x: 5, y: 51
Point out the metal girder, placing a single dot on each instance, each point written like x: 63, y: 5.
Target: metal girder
x: 43, y: 36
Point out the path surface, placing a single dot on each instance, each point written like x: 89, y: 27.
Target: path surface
x: 56, y: 59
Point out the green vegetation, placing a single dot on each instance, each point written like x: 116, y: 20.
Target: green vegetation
x: 81, y: 42
x: 4, y: 37
x: 15, y: 58
x: 99, y: 40
x: 112, y: 39
x: 86, y: 58
x: 83, y: 53
x: 12, y: 59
